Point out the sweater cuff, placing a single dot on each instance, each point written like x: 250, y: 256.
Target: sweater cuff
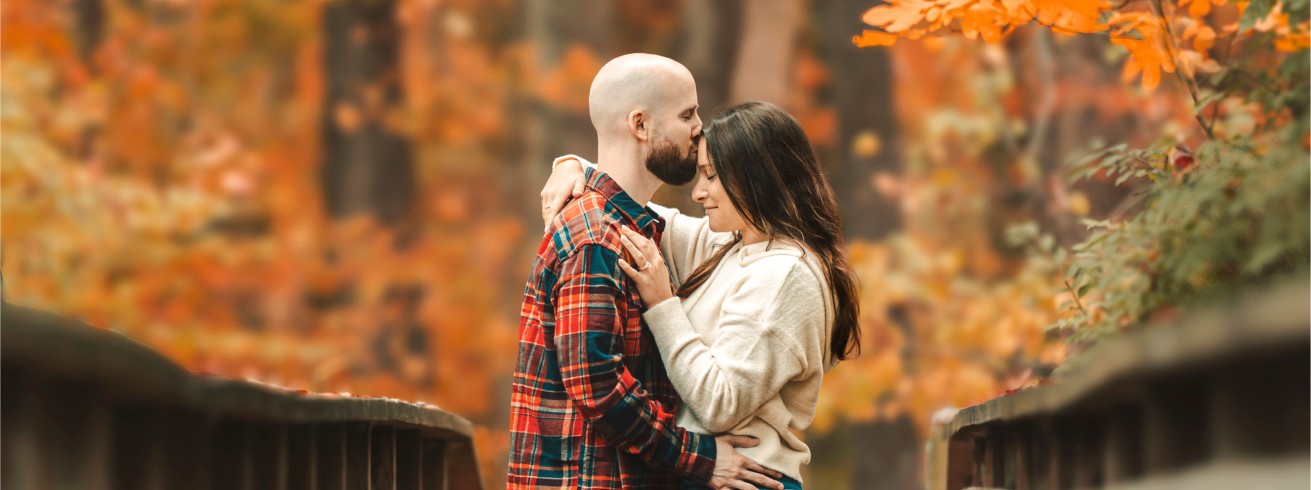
x: 667, y: 317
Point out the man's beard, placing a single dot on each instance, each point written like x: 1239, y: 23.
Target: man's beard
x: 670, y: 165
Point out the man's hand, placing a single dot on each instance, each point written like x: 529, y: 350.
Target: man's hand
x: 566, y: 183
x: 733, y: 470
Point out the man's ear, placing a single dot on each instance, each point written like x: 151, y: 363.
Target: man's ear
x: 638, y: 125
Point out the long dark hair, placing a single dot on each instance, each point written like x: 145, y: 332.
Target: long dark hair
x: 771, y: 175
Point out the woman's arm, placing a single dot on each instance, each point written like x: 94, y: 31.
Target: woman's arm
x: 759, y: 345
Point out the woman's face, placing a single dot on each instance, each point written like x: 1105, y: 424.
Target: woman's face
x: 709, y: 191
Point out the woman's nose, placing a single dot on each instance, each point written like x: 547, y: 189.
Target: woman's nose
x: 699, y: 191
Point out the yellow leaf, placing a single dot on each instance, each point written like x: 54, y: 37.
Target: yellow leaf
x: 866, y: 144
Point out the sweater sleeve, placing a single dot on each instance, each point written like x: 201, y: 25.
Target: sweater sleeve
x: 686, y: 242
x: 759, y: 345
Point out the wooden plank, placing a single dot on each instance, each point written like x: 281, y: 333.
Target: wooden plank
x: 409, y: 459
x: 358, y: 462
x: 186, y: 439
x: 22, y: 426
x: 57, y: 346
x: 462, y: 467
x: 1273, y: 320
x: 330, y: 461
x: 434, y: 465
x: 268, y: 456
x: 139, y: 448
x: 227, y: 455
x: 302, y: 469
x: 383, y: 457
x: 176, y: 429
x: 1289, y: 473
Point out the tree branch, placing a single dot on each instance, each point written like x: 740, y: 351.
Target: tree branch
x: 1188, y: 81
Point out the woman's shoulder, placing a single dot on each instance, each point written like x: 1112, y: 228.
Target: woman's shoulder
x: 783, y: 264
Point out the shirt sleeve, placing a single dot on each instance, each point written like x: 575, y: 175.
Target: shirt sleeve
x: 590, y: 312
x: 686, y: 242
x: 758, y: 347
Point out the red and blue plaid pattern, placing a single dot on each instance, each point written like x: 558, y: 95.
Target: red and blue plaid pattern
x: 592, y: 405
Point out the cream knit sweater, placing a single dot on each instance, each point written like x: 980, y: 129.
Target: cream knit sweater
x: 746, y: 351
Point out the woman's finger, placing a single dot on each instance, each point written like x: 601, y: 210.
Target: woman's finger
x: 639, y: 258
x: 628, y: 269
x: 551, y: 206
x: 648, y: 246
x: 640, y: 241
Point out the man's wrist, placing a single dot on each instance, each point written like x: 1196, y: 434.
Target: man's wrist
x: 700, y: 462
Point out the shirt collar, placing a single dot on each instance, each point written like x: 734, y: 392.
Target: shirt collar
x: 646, y: 220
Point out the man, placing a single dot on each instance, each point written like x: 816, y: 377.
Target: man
x: 592, y: 405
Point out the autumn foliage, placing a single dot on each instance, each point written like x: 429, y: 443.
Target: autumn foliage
x: 1159, y: 35
x: 160, y: 175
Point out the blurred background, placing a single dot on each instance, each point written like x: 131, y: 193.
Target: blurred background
x: 341, y: 196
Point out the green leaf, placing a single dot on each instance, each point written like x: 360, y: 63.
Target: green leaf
x: 1256, y: 10
x: 1123, y: 177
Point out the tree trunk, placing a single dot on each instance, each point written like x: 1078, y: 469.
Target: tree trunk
x: 89, y: 22
x: 886, y: 454
x: 554, y: 27
x: 769, y: 31
x: 367, y: 164
x: 867, y: 143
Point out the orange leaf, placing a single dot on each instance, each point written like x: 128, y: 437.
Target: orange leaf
x: 1204, y: 40
x: 873, y: 38
x: 1131, y: 70
x: 896, y: 17
x: 1151, y: 76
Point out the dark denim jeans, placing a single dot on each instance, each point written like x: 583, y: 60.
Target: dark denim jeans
x: 788, y: 484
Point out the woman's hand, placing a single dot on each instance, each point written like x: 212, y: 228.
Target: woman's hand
x: 566, y: 183
x: 649, y: 271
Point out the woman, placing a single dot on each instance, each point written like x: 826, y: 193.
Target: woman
x: 765, y: 303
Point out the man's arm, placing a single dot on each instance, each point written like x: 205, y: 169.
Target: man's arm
x: 589, y: 342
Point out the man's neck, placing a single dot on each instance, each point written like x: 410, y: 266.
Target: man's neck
x: 626, y: 169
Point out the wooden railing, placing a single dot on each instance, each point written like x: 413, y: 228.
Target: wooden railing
x: 85, y: 408
x: 1218, y: 400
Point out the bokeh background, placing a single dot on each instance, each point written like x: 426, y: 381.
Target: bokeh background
x: 341, y: 195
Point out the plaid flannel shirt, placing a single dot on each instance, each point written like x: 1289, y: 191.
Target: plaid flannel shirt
x: 592, y: 405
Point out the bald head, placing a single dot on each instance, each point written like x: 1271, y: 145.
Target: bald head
x: 645, y: 82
